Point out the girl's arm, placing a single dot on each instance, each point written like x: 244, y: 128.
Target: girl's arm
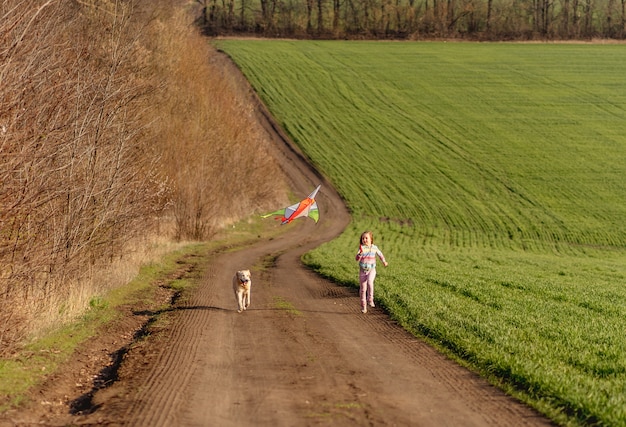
x: 382, y: 258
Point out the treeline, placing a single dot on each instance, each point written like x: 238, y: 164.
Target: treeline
x: 418, y: 19
x: 116, y: 131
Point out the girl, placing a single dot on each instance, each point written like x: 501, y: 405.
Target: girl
x: 366, y: 257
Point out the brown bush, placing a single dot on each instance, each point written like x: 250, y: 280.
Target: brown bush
x: 78, y: 175
x: 112, y: 121
x: 215, y: 153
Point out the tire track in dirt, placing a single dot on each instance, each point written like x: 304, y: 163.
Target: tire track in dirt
x: 303, y: 354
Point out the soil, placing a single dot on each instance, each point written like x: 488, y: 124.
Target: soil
x: 302, y: 354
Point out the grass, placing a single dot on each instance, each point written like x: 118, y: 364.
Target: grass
x: 492, y: 177
x: 282, y: 304
x: 441, y: 133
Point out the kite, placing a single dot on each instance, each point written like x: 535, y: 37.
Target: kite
x: 306, y: 207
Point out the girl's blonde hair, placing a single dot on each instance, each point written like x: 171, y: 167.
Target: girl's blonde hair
x: 366, y: 233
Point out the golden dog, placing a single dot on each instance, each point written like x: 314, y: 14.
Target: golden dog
x: 242, y: 284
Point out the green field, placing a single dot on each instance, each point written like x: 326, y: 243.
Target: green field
x: 493, y: 177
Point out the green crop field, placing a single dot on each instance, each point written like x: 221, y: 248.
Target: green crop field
x: 494, y: 179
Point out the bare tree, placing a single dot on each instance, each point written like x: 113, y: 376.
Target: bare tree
x: 402, y: 18
x: 77, y: 174
x: 623, y: 21
x: 337, y: 13
x: 320, y: 17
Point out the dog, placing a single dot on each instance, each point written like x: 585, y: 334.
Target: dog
x: 242, y: 285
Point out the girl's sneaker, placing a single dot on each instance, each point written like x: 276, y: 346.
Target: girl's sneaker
x: 364, y: 310
x: 372, y: 304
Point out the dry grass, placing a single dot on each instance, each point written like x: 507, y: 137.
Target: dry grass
x: 114, y: 127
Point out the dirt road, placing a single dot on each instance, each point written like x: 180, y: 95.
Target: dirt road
x: 303, y: 354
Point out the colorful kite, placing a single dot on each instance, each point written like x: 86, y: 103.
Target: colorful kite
x: 306, y: 207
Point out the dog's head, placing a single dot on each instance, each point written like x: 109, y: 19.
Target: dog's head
x: 243, y: 276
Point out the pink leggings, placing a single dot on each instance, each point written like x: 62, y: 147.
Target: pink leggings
x: 366, y: 290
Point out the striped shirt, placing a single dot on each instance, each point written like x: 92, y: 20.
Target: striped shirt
x: 367, y: 258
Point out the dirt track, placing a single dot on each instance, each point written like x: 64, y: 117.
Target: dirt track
x: 303, y: 354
